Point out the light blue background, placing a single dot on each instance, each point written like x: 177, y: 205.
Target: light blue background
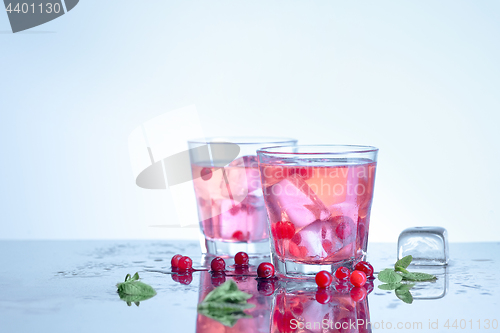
x: 418, y: 79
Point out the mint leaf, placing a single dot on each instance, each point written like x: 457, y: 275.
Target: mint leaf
x: 403, y: 262
x: 226, y: 304
x: 390, y: 286
x: 133, y: 287
x: 418, y: 277
x: 403, y: 293
x: 389, y: 276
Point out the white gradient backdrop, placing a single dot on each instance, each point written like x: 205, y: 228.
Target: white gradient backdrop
x: 418, y: 79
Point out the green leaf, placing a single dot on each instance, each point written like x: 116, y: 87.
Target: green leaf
x: 403, y: 262
x: 418, y: 277
x: 226, y: 304
x: 133, y: 287
x: 403, y: 293
x: 390, y: 286
x: 389, y: 276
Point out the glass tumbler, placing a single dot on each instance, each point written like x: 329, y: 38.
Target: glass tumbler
x: 318, y: 200
x: 229, y: 196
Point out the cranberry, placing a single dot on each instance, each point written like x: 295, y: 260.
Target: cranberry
x: 342, y: 273
x: 218, y: 264
x: 175, y: 260
x: 358, y: 278
x: 241, y: 258
x: 238, y: 235
x: 185, y: 263
x: 304, y: 172
x: 358, y: 294
x: 285, y: 230
x: 344, y: 228
x: 206, y: 173
x: 265, y: 270
x: 323, y: 279
x: 323, y: 296
x: 365, y: 267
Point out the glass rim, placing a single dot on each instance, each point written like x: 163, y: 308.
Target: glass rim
x: 244, y: 140
x: 319, y: 150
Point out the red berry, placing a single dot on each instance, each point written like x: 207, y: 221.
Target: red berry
x: 285, y: 230
x: 265, y: 270
x: 342, y: 273
x: 175, y: 260
x: 241, y: 258
x: 304, y: 172
x: 218, y: 264
x: 185, y: 263
x: 238, y: 235
x: 323, y: 296
x: 206, y: 173
x: 365, y: 267
x: 323, y: 279
x: 358, y: 278
x: 345, y: 227
x: 358, y: 294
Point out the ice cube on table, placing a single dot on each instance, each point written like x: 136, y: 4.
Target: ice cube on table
x: 293, y: 197
x: 427, y: 245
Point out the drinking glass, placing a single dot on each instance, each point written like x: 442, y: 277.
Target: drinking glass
x: 318, y: 199
x: 229, y: 197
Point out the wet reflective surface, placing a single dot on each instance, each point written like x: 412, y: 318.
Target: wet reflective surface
x: 69, y: 286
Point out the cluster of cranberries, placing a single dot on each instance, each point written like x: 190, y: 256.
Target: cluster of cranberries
x: 265, y: 271
x: 358, y: 277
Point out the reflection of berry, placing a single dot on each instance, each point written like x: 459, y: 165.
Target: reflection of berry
x: 266, y: 287
x: 368, y: 286
x: 365, y: 267
x: 241, y: 258
x: 323, y: 279
x: 358, y: 278
x: 358, y: 294
x: 206, y: 174
x: 218, y: 264
x: 323, y: 296
x: 185, y: 278
x: 218, y: 279
x: 175, y: 260
x: 265, y: 270
x: 185, y: 263
x: 238, y: 235
x: 342, y: 273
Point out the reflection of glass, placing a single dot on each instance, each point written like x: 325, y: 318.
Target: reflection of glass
x: 231, y: 209
x: 260, y: 313
x: 431, y: 290
x: 318, y: 199
x: 301, y: 310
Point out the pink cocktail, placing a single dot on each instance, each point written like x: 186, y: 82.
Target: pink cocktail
x: 318, y: 200
x: 229, y: 195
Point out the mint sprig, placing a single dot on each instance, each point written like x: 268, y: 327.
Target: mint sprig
x: 397, y: 279
x: 226, y: 304
x: 133, y: 290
